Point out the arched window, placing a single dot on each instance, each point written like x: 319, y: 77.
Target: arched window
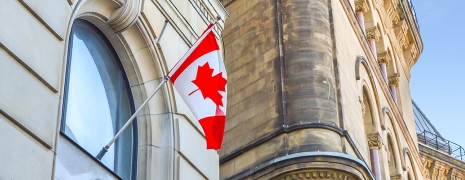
x: 97, y: 100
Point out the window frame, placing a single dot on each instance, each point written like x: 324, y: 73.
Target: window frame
x: 125, y: 81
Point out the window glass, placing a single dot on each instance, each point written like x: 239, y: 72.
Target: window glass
x: 97, y: 99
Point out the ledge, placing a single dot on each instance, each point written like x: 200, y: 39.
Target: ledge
x: 311, y: 161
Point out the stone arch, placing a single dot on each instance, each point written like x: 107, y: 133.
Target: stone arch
x: 360, y: 60
x: 118, y: 14
x: 394, y: 133
x: 370, y: 107
x: 407, y: 154
x: 145, y: 67
x: 392, y: 155
x: 385, y: 111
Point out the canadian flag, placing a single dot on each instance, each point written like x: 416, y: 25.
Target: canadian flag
x: 200, y: 79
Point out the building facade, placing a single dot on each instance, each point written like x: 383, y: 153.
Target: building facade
x: 319, y: 89
x: 71, y: 74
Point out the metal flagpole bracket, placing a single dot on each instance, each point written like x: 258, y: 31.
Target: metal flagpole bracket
x: 105, y: 149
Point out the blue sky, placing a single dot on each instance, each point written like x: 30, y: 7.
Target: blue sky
x: 437, y: 81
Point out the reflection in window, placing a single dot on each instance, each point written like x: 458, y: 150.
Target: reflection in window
x: 98, y: 99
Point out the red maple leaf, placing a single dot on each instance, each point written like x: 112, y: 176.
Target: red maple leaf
x: 210, y: 85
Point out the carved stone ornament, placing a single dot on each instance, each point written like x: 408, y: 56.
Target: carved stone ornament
x: 379, y: 3
x: 394, y: 81
x: 392, y: 13
x: 373, y: 33
x: 362, y: 104
x: 397, y: 177
x: 316, y: 175
x: 440, y: 171
x: 361, y: 6
x: 375, y: 141
x: 426, y: 166
x: 456, y: 174
x: 384, y: 58
x: 413, y: 50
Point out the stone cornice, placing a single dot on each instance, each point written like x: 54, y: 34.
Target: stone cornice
x: 410, y: 19
x: 375, y: 141
x: 430, y: 155
x: 379, y: 77
x: 392, y: 34
x: 392, y: 13
x: 316, y: 175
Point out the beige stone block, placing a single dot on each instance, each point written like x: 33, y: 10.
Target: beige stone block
x: 160, y: 130
x: 27, y: 100
x: 37, y: 47
x: 193, y: 146
x: 187, y: 172
x: 173, y: 46
x: 227, y: 169
x: 74, y: 164
x: 153, y: 16
x: 178, y: 18
x: 182, y: 6
x: 155, y: 162
x: 54, y: 13
x: 145, y: 62
x: 134, y: 39
x: 156, y: 147
x: 22, y: 157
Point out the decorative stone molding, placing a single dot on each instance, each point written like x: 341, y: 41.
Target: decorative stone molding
x: 401, y: 38
x: 394, y: 80
x: 362, y: 104
x: 373, y: 33
x: 401, y: 30
x: 317, y: 175
x: 397, y: 177
x: 443, y: 172
x: 384, y: 58
x: 412, y: 50
x: 375, y: 141
x: 361, y: 6
x: 208, y: 15
x: 379, y: 4
x: 440, y: 171
x: 426, y: 166
x: 118, y: 14
x: 126, y: 15
x: 392, y: 13
x: 456, y: 174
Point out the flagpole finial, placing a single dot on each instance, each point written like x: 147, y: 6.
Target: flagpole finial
x: 218, y: 17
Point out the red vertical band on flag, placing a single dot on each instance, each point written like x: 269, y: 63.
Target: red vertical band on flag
x: 213, y: 127
x: 208, y: 44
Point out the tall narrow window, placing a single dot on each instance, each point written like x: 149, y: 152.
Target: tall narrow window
x: 98, y: 99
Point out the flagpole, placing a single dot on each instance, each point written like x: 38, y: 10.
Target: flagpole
x: 105, y: 149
